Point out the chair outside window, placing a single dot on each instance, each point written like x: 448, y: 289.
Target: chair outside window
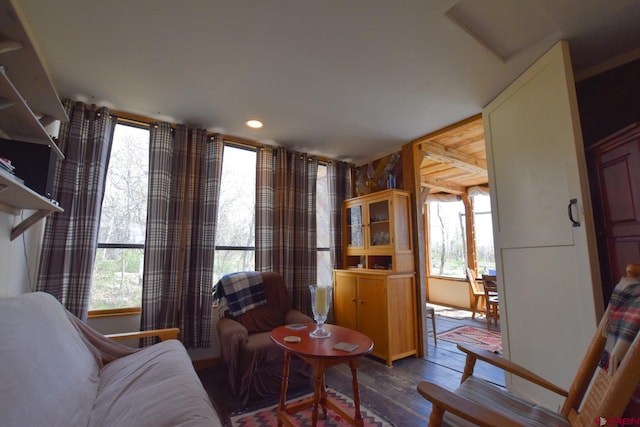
x: 476, y: 293
x: 602, y: 389
x: 491, y: 299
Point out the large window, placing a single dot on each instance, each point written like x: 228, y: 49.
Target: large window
x: 235, y: 226
x: 325, y: 273
x: 447, y: 241
x: 447, y: 237
x: 117, y: 274
x: 484, y: 235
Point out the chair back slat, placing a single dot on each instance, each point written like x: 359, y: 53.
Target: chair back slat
x: 609, y: 387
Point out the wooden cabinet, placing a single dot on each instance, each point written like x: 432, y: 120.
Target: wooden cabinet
x: 381, y: 305
x: 23, y: 76
x: 375, y: 292
x: 377, y: 232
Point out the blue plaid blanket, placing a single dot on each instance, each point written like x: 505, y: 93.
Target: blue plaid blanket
x: 240, y: 292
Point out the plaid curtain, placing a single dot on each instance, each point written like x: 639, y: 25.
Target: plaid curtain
x: 184, y: 185
x: 265, y: 208
x: 286, y: 220
x: 339, y: 176
x: 71, y: 237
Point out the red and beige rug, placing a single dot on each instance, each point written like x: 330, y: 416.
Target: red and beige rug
x: 487, y: 340
x: 267, y: 417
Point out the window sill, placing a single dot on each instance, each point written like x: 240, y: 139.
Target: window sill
x: 114, y: 312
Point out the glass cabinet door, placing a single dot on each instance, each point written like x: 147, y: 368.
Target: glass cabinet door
x: 380, y: 224
x: 355, y: 227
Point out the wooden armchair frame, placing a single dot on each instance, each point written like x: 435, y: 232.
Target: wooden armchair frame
x: 162, y: 334
x: 608, y: 397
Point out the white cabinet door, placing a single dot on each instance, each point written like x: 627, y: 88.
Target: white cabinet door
x: 547, y: 267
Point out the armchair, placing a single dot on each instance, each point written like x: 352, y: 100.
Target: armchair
x: 253, y: 362
x: 601, y: 389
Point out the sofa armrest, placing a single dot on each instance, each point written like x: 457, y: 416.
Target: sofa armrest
x: 295, y: 316
x: 233, y: 337
x: 163, y: 334
x: 232, y: 330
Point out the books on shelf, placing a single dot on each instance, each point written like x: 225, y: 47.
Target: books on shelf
x: 5, y: 164
x: 8, y: 171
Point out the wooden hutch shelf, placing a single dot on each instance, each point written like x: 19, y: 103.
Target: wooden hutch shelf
x: 375, y: 292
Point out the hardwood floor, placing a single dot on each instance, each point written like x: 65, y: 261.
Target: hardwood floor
x: 388, y: 391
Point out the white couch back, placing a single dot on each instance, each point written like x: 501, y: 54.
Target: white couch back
x: 48, y: 373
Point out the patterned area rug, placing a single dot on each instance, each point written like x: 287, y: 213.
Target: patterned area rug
x: 267, y: 417
x: 488, y: 340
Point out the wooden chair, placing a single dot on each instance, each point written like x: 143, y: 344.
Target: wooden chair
x: 476, y: 292
x: 430, y: 312
x: 491, y: 298
x: 595, y: 392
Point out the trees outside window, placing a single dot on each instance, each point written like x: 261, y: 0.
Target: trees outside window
x: 117, y: 276
x: 447, y: 241
x: 117, y: 273
x: 484, y: 235
x: 325, y: 273
x: 235, y: 224
x: 447, y: 237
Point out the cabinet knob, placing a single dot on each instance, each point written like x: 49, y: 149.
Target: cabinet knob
x: 361, y: 301
x: 353, y: 300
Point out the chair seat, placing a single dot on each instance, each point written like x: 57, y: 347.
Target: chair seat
x: 500, y: 400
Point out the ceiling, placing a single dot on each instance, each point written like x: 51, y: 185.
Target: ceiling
x: 352, y: 80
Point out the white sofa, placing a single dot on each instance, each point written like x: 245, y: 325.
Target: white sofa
x: 57, y: 371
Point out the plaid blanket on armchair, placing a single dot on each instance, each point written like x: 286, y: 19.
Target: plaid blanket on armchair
x: 240, y: 292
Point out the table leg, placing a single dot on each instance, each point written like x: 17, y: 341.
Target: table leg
x: 318, y: 393
x: 323, y: 396
x: 283, y: 387
x: 356, y: 393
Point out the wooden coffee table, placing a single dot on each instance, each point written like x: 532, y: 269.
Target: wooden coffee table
x: 319, y: 353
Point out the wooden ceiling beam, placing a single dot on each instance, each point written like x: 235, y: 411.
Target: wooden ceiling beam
x: 435, y: 184
x: 458, y: 159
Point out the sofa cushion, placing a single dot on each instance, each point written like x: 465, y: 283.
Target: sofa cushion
x: 48, y: 375
x: 156, y: 386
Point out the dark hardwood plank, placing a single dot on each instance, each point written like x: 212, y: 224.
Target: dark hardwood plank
x: 389, y: 391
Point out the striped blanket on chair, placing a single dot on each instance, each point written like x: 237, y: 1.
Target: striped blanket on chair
x: 240, y: 292
x: 623, y: 323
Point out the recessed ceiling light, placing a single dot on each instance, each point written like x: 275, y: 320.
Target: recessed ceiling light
x: 255, y: 124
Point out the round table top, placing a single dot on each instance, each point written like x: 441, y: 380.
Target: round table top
x: 322, y: 347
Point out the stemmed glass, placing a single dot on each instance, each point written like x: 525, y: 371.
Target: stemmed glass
x: 320, y: 301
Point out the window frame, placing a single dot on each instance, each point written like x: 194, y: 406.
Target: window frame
x: 471, y: 247
x: 129, y: 310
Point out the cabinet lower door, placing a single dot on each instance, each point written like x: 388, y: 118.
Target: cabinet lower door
x: 345, y: 301
x: 372, y: 314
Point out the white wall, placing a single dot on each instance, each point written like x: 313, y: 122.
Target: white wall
x: 19, y: 258
x: 449, y: 292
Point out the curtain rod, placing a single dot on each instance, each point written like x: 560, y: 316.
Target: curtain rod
x: 147, y: 121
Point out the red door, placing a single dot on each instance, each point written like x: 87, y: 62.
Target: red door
x: 615, y: 180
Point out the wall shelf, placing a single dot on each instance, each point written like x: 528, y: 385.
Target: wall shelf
x: 28, y: 102
x: 15, y: 196
x: 17, y: 120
